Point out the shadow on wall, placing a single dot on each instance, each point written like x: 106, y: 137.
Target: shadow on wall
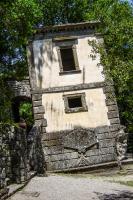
x: 46, y: 48
x: 119, y: 196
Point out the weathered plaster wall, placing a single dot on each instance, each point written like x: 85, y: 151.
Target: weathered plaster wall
x: 47, y: 64
x: 48, y: 88
x: 58, y: 120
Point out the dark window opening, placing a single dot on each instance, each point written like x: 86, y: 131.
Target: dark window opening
x: 75, y: 102
x: 67, y: 58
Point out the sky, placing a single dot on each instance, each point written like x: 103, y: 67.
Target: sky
x: 130, y: 1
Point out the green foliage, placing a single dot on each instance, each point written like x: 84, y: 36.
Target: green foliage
x: 117, y: 27
x: 63, y: 11
x: 25, y: 111
x: 5, y: 102
x: 18, y: 18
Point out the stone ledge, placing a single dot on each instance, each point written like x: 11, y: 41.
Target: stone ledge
x: 93, y: 167
x: 70, y: 72
x: 68, y: 88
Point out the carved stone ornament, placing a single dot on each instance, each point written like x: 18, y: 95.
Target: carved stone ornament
x: 121, y: 143
x: 81, y: 140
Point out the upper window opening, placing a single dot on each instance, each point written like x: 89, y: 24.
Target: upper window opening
x: 75, y: 102
x: 67, y: 58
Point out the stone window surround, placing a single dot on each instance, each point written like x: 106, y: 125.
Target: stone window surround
x: 64, y: 44
x: 84, y: 107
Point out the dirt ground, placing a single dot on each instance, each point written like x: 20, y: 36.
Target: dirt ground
x: 106, y: 185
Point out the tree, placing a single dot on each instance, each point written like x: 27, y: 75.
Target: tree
x: 63, y: 11
x: 18, y: 20
x: 117, y: 27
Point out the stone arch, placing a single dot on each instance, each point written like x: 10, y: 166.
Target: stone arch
x: 20, y: 88
x: 16, y: 101
x: 21, y: 93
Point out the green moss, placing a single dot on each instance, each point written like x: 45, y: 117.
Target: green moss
x: 128, y: 183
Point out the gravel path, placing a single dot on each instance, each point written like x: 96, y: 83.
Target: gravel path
x: 63, y: 187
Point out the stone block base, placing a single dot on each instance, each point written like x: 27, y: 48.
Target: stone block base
x: 79, y: 148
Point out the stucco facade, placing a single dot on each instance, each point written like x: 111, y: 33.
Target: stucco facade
x: 47, y: 64
x: 72, y: 102
x: 58, y: 120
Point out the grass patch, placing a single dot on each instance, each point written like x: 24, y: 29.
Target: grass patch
x: 128, y: 183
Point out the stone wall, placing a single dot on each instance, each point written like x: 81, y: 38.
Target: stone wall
x: 20, y: 88
x: 19, y: 154
x: 5, y: 159
x: 75, y: 149
x: 13, y: 153
x: 35, y: 155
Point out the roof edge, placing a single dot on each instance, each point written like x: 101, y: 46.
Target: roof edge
x: 68, y: 27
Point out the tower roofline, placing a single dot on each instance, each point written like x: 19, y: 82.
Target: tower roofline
x: 69, y: 27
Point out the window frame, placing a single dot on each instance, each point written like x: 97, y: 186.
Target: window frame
x: 84, y: 107
x: 68, y: 44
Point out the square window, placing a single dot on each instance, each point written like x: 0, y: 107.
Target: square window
x: 75, y: 103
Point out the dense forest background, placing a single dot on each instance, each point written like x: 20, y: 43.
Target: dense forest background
x: 20, y: 18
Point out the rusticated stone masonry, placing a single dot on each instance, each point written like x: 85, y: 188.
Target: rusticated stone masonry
x: 19, y: 154
x: 39, y: 111
x: 111, y: 103
x: 20, y: 88
x: 13, y: 153
x: 79, y: 148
